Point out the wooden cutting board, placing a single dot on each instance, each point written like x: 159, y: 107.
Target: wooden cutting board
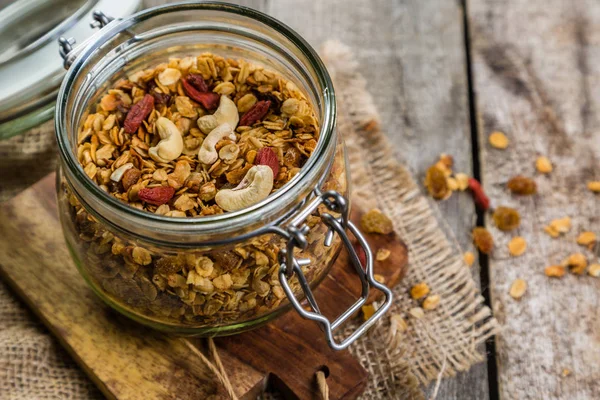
x: 129, y: 361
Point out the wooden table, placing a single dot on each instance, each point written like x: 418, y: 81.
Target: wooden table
x: 444, y: 74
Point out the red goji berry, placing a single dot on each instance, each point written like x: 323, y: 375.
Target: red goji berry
x: 481, y: 199
x: 138, y: 113
x: 209, y: 100
x: 266, y: 156
x: 197, y: 81
x: 157, y: 195
x: 256, y: 113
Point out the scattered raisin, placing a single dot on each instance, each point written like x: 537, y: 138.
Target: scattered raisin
x: 506, y: 219
x: 375, y: 221
x: 436, y: 183
x: 483, y: 240
x: 522, y: 185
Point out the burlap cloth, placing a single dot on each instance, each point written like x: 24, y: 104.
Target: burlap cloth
x: 399, y: 360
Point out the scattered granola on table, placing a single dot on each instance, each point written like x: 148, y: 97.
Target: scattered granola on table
x: 594, y: 270
x: 469, y: 258
x: 518, y: 289
x: 594, y: 186
x: 517, y: 246
x: 587, y: 239
x: 441, y: 181
x: 419, y: 290
x: 506, y: 218
x: 374, y: 221
x: 555, y: 271
x: 576, y: 263
x: 483, y: 240
x: 558, y: 227
x: 522, y: 185
x: 193, y: 137
x: 498, y: 140
x: 543, y: 165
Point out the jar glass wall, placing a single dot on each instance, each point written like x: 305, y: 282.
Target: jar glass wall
x: 216, y: 290
x: 203, y: 275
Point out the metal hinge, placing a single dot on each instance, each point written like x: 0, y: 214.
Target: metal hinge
x: 295, y: 233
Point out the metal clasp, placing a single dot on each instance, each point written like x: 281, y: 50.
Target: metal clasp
x: 65, y: 45
x: 295, y: 232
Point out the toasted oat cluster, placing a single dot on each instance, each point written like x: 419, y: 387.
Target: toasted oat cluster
x: 197, y: 136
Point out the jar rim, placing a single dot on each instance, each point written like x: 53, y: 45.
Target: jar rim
x: 324, y: 144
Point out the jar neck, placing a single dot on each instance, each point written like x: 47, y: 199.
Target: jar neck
x: 172, y: 30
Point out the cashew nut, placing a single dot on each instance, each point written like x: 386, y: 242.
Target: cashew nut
x: 118, y: 173
x: 256, y: 186
x: 226, y: 113
x: 208, y: 153
x: 171, y: 144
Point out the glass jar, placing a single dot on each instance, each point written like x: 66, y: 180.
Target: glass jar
x: 225, y: 273
x: 30, y: 74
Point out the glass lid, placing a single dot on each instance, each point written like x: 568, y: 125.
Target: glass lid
x: 31, y: 68
x: 26, y: 25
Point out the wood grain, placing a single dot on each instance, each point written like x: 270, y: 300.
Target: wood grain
x: 413, y: 57
x: 542, y: 92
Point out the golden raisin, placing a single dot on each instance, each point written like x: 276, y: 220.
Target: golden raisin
x: 594, y: 186
x: 375, y: 221
x: 543, y: 165
x: 498, y: 140
x: 469, y: 258
x: 506, y: 219
x: 419, y: 290
x: 483, y: 240
x: 436, y: 184
x: 518, y: 289
x: 517, y: 246
x: 522, y: 185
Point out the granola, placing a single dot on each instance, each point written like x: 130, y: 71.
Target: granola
x: 193, y: 137
x: 201, y: 126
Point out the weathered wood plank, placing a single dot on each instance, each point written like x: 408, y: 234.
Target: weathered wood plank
x: 413, y: 57
x: 414, y: 60
x: 535, y: 66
